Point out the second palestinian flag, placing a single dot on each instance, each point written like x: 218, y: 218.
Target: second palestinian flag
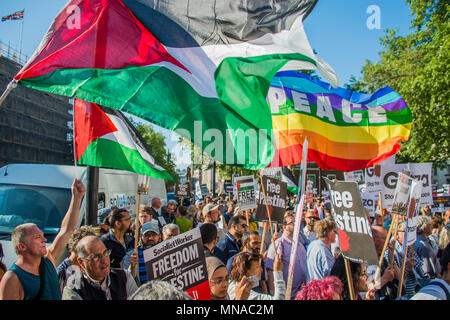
x: 104, y: 138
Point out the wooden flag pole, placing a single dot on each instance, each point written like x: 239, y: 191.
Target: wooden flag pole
x: 402, y: 273
x: 388, y: 237
x: 351, y: 289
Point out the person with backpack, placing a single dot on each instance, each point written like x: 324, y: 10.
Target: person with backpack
x: 437, y: 289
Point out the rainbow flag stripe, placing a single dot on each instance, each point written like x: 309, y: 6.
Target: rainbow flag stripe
x: 346, y: 130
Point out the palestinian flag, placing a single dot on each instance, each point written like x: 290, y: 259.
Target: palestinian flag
x: 104, y: 138
x: 288, y: 177
x: 346, y: 130
x: 189, y: 66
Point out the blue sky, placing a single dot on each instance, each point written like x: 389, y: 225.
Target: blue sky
x: 337, y: 30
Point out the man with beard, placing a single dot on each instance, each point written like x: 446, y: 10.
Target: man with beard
x: 150, y: 237
x: 117, y: 239
x: 231, y: 244
x: 98, y: 281
x: 251, y: 243
x: 211, y: 214
x: 283, y: 250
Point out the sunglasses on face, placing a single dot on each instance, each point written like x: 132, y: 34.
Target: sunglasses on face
x: 220, y: 280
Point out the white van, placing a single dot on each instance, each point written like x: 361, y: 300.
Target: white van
x: 40, y: 193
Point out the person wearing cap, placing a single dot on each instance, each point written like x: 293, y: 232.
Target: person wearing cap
x: 102, y: 222
x: 212, y: 215
x: 150, y: 237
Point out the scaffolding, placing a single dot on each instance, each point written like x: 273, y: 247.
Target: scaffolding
x: 35, y: 126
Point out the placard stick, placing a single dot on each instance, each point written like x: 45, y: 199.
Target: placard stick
x: 136, y: 229
x: 268, y: 213
x: 402, y: 273
x: 263, y: 237
x: 351, y: 289
x: 391, y: 258
x: 380, y: 204
x: 380, y: 262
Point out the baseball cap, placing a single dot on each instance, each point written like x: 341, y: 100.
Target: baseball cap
x: 199, y: 202
x: 209, y: 207
x: 102, y: 214
x: 150, y: 226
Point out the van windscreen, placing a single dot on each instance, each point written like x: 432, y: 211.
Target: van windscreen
x: 44, y: 206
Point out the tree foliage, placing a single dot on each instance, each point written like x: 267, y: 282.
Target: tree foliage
x: 157, y: 146
x: 416, y: 66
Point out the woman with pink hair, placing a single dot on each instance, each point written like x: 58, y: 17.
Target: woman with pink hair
x: 328, y: 288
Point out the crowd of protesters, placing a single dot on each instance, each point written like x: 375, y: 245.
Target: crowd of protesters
x: 102, y: 263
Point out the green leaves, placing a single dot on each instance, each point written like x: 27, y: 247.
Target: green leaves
x: 416, y: 66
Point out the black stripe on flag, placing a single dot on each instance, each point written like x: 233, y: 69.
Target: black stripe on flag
x: 194, y: 23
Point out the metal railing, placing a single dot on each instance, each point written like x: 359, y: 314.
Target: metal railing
x: 6, y: 50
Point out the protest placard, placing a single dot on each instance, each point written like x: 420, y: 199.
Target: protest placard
x: 372, y: 175
x: 183, y: 190
x: 419, y: 171
x: 204, y: 189
x: 273, y: 172
x: 228, y: 186
x: 413, y: 213
x: 198, y: 190
x: 181, y: 262
x: 246, y: 193
x: 369, y: 200
x: 401, y: 195
x: 276, y: 192
x: 355, y: 235
x: 357, y: 176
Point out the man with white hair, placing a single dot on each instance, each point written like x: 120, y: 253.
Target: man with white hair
x: 170, y: 230
x: 33, y: 276
x: 427, y: 263
x: 98, y: 280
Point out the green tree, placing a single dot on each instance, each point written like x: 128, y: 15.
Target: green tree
x: 157, y: 146
x: 416, y: 66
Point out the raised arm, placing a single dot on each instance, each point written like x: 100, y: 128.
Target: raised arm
x: 69, y: 223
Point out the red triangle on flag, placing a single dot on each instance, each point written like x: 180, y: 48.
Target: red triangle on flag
x: 90, y: 123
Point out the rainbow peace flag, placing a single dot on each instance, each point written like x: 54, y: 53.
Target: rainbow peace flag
x: 346, y: 130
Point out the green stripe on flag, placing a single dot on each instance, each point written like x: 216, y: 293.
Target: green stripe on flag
x: 121, y: 157
x: 159, y: 95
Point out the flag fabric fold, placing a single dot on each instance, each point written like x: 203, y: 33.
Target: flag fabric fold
x: 191, y: 66
x: 346, y: 130
x: 103, y: 137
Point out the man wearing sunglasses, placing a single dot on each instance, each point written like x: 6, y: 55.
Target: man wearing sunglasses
x: 98, y: 280
x: 308, y: 230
